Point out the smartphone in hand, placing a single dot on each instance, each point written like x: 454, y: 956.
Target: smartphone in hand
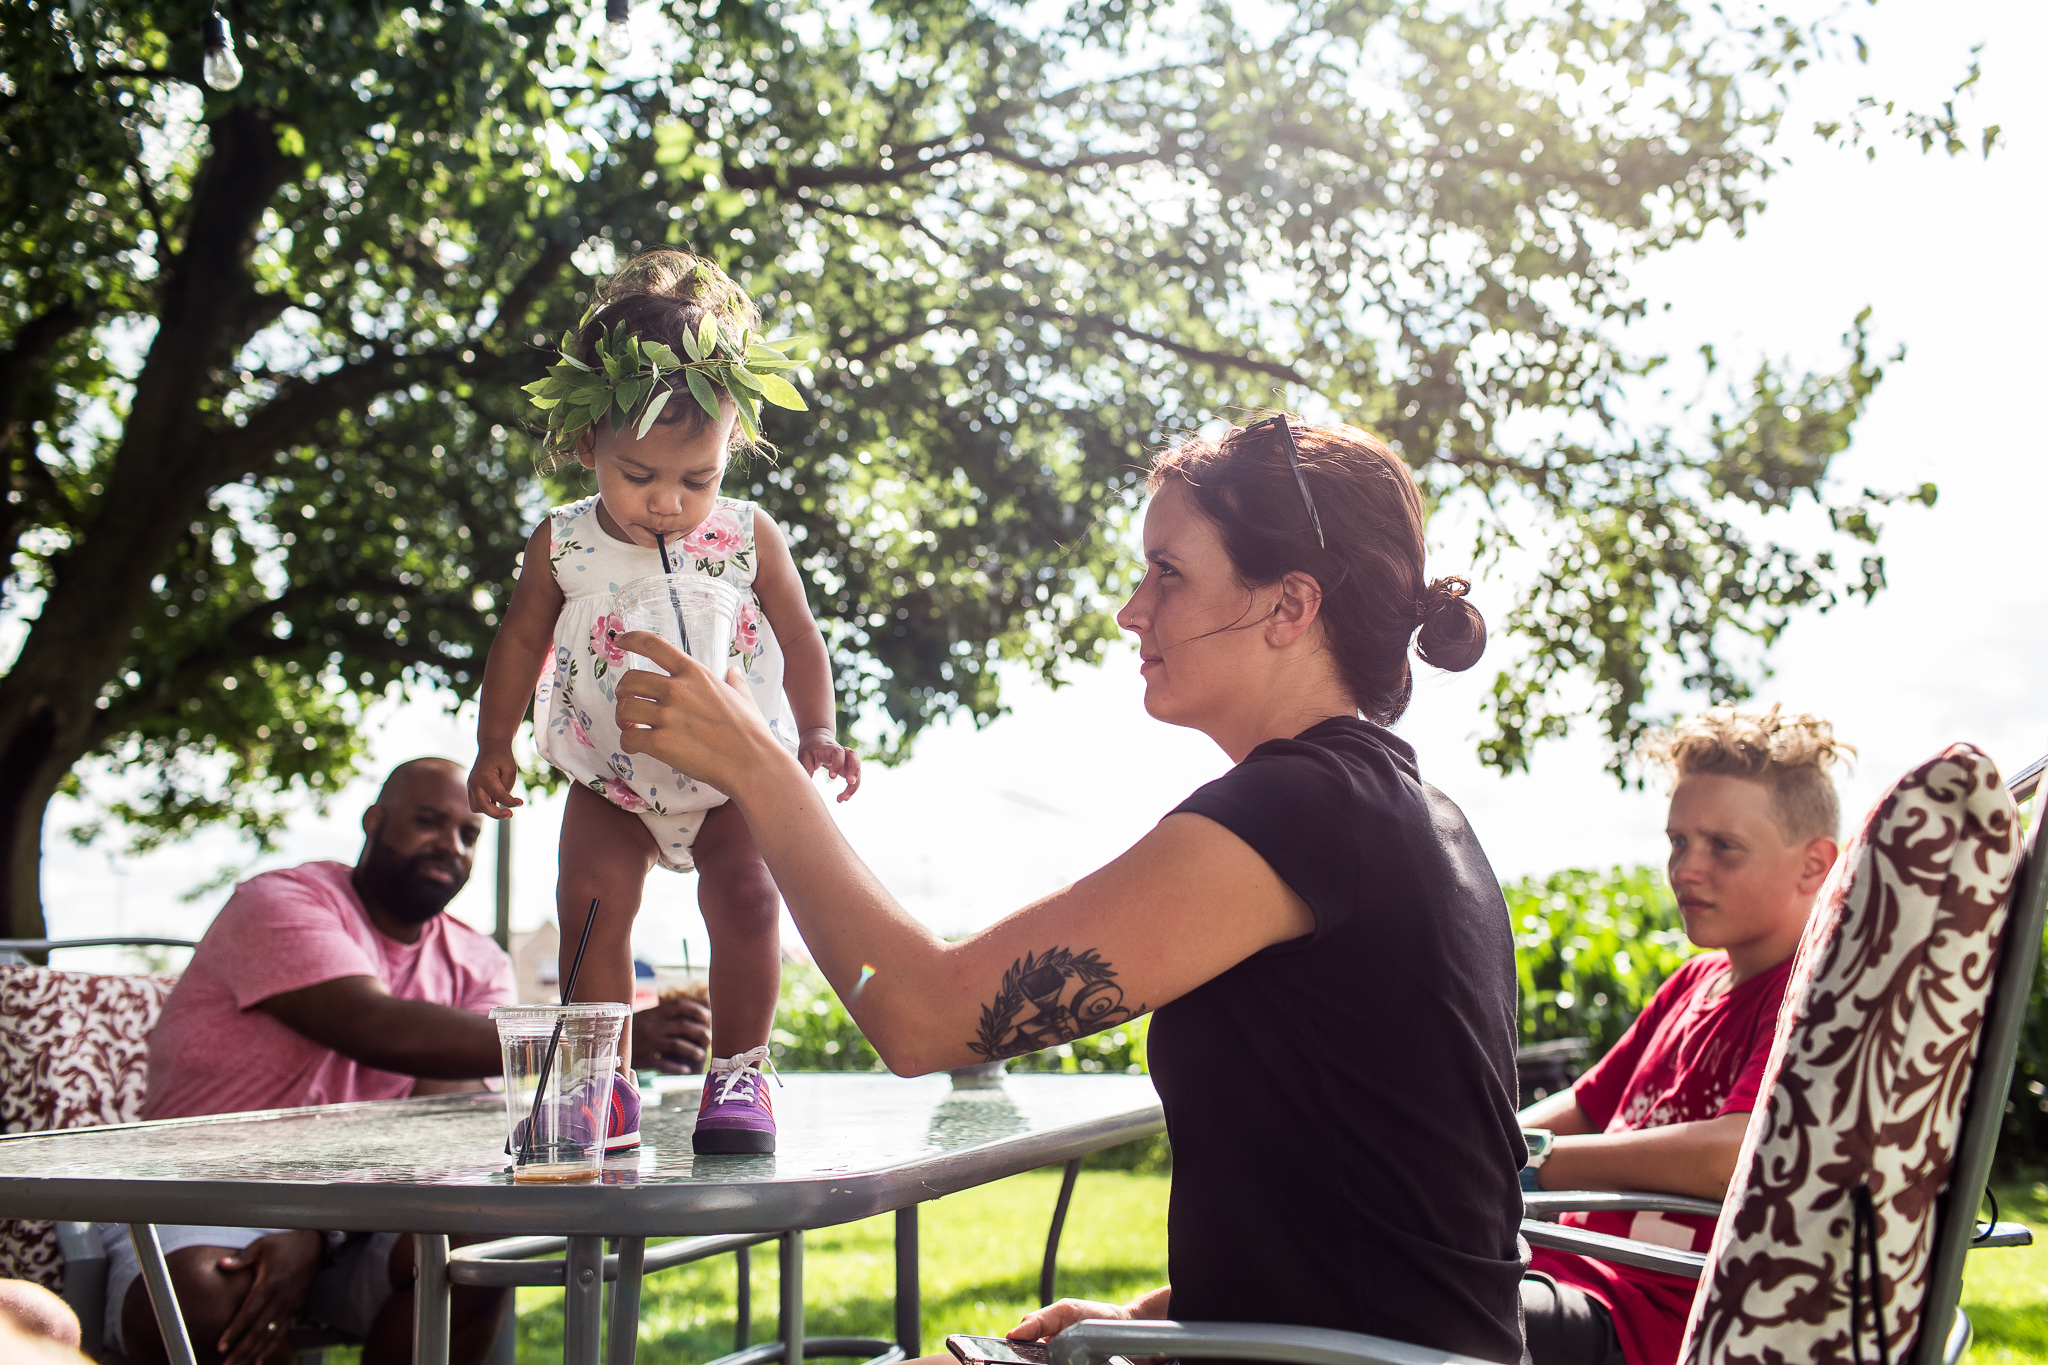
x: 996, y: 1350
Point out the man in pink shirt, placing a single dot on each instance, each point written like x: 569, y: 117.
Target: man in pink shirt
x: 1753, y: 823
x: 322, y: 984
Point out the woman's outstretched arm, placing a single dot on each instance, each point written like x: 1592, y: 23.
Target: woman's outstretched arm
x: 1186, y: 903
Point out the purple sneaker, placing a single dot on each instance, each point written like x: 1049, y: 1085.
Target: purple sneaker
x: 622, y: 1134
x: 580, y: 1115
x: 735, y: 1115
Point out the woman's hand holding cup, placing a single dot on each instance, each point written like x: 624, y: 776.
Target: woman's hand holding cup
x: 690, y: 720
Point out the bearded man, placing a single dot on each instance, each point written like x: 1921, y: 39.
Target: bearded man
x: 323, y: 984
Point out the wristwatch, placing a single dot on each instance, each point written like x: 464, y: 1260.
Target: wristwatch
x: 1540, y: 1141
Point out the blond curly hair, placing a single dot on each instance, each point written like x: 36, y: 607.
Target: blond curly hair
x: 1789, y: 754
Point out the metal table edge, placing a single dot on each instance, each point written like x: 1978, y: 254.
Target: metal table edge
x: 623, y: 1209
x: 427, y: 1103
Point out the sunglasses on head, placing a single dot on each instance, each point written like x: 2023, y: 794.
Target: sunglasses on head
x: 1285, y: 430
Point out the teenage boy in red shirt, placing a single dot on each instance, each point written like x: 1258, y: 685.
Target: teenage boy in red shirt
x: 1753, y: 825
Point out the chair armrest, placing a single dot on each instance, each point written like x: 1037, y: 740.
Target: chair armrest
x: 1620, y: 1250
x: 511, y: 1261
x: 1088, y: 1342
x: 1549, y: 1203
x: 511, y: 1249
x: 85, y: 1282
x: 2001, y: 1235
x: 79, y: 1242
x: 51, y: 945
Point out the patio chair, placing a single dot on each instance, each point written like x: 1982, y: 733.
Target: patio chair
x: 74, y: 1053
x: 1854, y: 1198
x: 73, y: 1049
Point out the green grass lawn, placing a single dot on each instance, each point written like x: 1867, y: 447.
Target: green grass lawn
x: 2005, y: 1292
x: 981, y: 1253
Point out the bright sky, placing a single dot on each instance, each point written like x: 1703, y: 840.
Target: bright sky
x: 1947, y: 253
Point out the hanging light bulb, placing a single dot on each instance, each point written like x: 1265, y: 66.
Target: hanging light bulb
x: 617, y: 42
x: 221, y: 68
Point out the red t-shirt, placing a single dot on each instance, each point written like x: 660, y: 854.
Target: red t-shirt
x: 1690, y: 1055
x: 214, y: 1052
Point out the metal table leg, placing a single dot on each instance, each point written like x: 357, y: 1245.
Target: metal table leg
x: 743, y: 1316
x: 430, y: 1299
x: 157, y: 1276
x: 909, y: 1307
x: 1052, y: 1238
x: 792, y: 1298
x: 622, y: 1336
x: 583, y: 1300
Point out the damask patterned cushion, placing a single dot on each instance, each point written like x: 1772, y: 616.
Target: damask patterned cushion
x: 74, y: 1052
x: 1866, y: 1082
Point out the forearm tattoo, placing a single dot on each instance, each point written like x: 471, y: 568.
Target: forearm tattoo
x: 1053, y: 998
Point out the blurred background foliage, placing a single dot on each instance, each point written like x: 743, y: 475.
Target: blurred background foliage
x: 813, y: 1032
x: 2025, y: 1141
x: 1591, y: 948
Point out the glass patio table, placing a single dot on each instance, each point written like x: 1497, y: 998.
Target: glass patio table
x: 851, y: 1146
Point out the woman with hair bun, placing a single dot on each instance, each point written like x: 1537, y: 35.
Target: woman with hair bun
x: 1318, y: 932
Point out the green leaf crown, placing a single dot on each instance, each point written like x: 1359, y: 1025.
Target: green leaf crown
x: 630, y: 379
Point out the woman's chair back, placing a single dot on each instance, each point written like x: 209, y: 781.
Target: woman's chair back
x: 1957, y: 1230
x: 1854, y: 1197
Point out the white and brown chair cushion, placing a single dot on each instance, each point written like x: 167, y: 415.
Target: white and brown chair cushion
x: 1866, y: 1083
x: 74, y: 1051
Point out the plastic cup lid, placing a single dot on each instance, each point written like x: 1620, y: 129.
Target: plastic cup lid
x: 548, y: 1014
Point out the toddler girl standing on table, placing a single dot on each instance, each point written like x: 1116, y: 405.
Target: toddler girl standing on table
x: 654, y: 392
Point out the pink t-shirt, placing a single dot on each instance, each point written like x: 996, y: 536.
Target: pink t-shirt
x: 214, y: 1052
x: 1694, y: 1053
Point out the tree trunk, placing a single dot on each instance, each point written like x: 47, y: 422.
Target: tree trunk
x: 28, y: 779
x: 161, y: 475
x: 49, y: 717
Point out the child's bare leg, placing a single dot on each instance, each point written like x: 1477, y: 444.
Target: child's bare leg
x: 606, y: 854
x: 742, y: 911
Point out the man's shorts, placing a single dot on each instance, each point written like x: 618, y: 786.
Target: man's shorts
x: 1564, y: 1325
x: 346, y: 1296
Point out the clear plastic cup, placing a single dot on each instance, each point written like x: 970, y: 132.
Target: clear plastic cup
x: 696, y: 614
x: 558, y: 1085
x: 693, y: 980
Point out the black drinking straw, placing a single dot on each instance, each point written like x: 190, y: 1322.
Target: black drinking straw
x: 683, y: 631
x: 547, y: 1063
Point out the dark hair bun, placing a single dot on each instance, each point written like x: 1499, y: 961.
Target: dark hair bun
x: 1358, y: 534
x: 1453, y: 633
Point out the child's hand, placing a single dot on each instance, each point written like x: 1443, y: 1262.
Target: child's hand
x: 490, y: 781
x: 817, y: 749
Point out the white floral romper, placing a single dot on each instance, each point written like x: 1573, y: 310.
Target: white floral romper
x: 575, y: 723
